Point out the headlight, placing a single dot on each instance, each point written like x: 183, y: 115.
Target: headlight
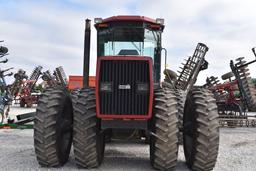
x: 160, y: 21
x: 106, y: 87
x: 142, y: 87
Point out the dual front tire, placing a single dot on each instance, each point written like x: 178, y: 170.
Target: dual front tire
x: 200, y: 129
x: 59, y: 121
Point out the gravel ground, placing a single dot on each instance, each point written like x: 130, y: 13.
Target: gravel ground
x: 237, y: 152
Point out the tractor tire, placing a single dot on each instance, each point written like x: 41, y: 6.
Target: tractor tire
x: 53, y: 127
x: 201, y: 130
x: 168, y: 85
x: 181, y: 97
x: 88, y: 140
x: 164, y: 144
x: 227, y: 76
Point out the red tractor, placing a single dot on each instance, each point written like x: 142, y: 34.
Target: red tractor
x: 128, y: 96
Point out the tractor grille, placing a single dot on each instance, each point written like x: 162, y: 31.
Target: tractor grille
x: 128, y: 100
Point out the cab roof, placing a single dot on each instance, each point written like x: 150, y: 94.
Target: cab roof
x: 130, y: 18
x: 136, y: 18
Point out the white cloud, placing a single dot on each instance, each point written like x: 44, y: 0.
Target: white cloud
x: 50, y: 33
x: 226, y: 26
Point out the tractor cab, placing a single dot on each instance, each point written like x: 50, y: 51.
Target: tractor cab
x: 135, y: 36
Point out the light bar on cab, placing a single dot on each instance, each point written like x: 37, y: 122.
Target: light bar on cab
x: 160, y: 21
x: 98, y: 20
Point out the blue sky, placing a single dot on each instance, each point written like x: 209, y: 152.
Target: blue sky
x: 50, y: 33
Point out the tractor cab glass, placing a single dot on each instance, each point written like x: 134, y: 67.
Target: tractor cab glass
x: 130, y: 41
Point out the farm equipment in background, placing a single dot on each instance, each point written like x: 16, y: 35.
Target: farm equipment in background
x: 128, y: 96
x: 15, y: 87
x: 5, y: 95
x: 245, y: 84
x: 190, y: 70
x: 60, y: 76
x: 3, y: 51
x: 57, y: 78
x: 22, y: 88
x: 49, y: 79
x: 236, y: 96
x: 26, y: 95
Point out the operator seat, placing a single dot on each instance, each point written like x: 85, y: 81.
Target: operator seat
x: 128, y: 52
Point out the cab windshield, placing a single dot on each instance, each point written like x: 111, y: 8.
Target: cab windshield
x: 127, y: 41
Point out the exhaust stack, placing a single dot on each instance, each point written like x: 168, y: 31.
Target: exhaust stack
x: 87, y: 43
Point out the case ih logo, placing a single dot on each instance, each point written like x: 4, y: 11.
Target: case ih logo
x: 124, y: 87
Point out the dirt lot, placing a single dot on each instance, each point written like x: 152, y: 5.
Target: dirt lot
x: 237, y: 152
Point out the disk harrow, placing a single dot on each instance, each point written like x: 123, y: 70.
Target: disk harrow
x: 58, y: 78
x: 235, y: 96
x: 26, y: 88
x: 36, y: 73
x: 48, y: 78
x: 192, y: 67
x: 189, y: 71
x: 212, y: 81
x: 242, y: 74
x: 19, y: 77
